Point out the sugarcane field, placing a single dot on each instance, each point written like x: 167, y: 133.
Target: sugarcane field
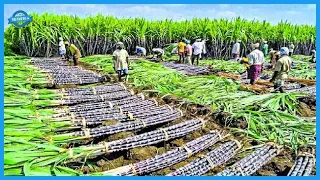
x: 104, y: 95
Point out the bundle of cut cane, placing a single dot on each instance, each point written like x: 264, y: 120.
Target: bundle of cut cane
x: 187, y: 69
x: 211, y: 160
x: 117, y: 128
x: 167, y: 159
x: 94, y: 90
x: 69, y: 100
x: 253, y: 162
x: 303, y: 165
x: 308, y: 89
x: 145, y: 139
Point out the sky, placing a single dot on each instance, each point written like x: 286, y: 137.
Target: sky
x: 273, y: 13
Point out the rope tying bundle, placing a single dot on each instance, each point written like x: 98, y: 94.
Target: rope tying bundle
x: 166, y: 137
x: 203, y: 123
x: 130, y: 116
x: 189, y: 152
x: 102, y: 98
x: 38, y: 116
x: 125, y: 88
x: 133, y: 169
x: 106, y: 148
x: 71, y: 153
x: 94, y: 90
x: 212, y: 166
x: 143, y: 122
x: 87, y: 133
x: 72, y: 117
x: 84, y: 123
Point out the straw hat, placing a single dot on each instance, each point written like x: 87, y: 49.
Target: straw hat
x: 60, y: 39
x: 277, y: 53
x: 238, y: 41
x: 265, y: 42
x: 66, y: 43
x: 256, y: 45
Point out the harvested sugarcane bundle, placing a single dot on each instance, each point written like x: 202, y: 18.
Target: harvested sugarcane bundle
x: 69, y: 100
x: 292, y: 86
x: 94, y: 90
x: 303, y: 165
x: 253, y: 162
x: 187, y: 69
x: 117, y: 128
x: 167, y: 159
x: 145, y: 139
x: 308, y: 89
x: 211, y: 160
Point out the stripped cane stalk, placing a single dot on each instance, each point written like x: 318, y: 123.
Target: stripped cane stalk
x: 211, y: 160
x: 167, y: 159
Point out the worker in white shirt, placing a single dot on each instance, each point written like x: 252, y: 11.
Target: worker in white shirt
x: 197, y: 50
x: 256, y: 61
x: 291, y: 48
x: 62, y: 48
x: 204, y: 50
x: 236, y: 50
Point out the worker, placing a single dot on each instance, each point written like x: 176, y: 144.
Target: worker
x: 188, y: 53
x: 141, y: 51
x: 121, y: 61
x: 291, y: 48
x: 175, y: 48
x: 256, y: 61
x: 272, y: 57
x: 196, y: 51
x: 62, y: 48
x: 283, y: 66
x: 313, y: 58
x: 204, y: 50
x: 74, y: 51
x: 181, y: 47
x: 265, y: 48
x: 236, y: 50
x: 245, y: 62
x: 159, y: 52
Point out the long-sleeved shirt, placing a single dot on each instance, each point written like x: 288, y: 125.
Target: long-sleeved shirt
x: 291, y: 47
x: 283, y: 66
x: 120, y: 61
x: 256, y: 57
x: 236, y: 48
x: 197, y: 48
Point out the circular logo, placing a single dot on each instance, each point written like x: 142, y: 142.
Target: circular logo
x: 20, y: 19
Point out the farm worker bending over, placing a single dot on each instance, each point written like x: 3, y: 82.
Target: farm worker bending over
x: 283, y: 66
x: 141, y: 51
x: 75, y: 52
x: 120, y: 61
x: 256, y: 61
x: 62, y: 48
x: 197, y: 50
x: 188, y: 52
x: 265, y: 48
x: 204, y: 50
x: 236, y: 50
x: 245, y: 62
x: 313, y: 58
x: 157, y: 51
x: 291, y: 48
x: 181, y: 47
